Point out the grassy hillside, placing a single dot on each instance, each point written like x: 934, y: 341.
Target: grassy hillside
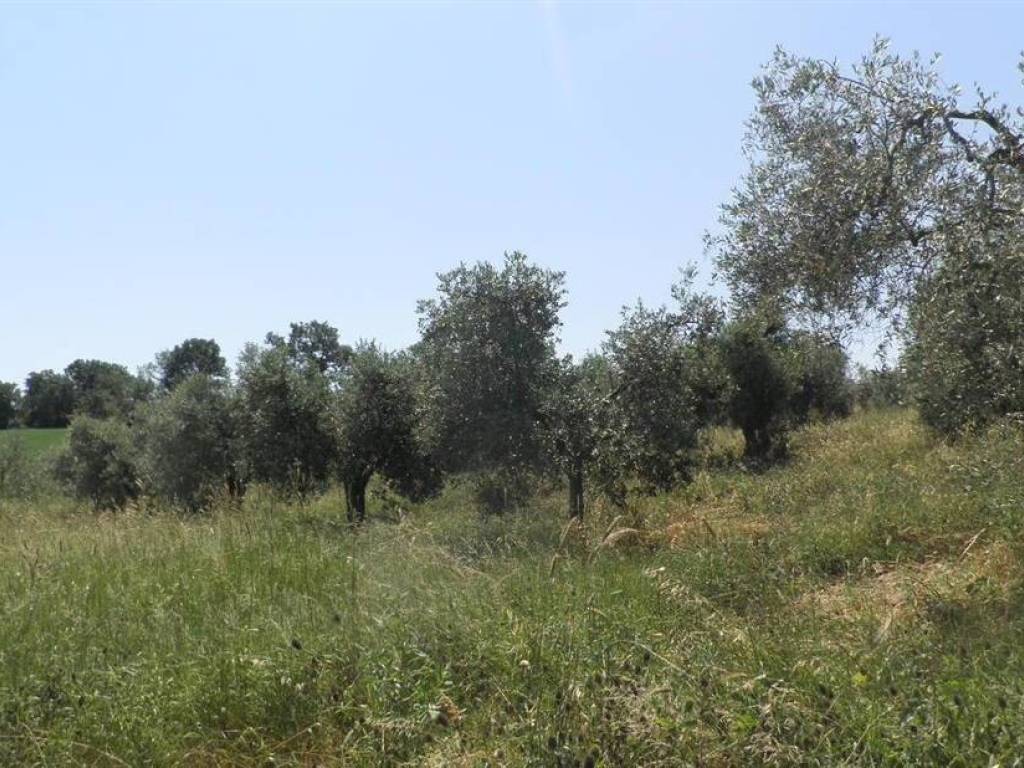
x: 862, y: 605
x: 36, y: 440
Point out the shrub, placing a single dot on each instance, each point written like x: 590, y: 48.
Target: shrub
x: 22, y: 474
x: 99, y: 462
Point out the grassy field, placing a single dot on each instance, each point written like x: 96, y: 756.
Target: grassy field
x: 860, y: 606
x: 37, y: 440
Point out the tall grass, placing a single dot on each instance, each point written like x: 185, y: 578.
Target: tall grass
x: 861, y: 605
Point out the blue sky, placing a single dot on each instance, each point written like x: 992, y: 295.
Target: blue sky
x: 219, y: 170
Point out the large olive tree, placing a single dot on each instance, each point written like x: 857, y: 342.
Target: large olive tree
x: 867, y: 185
x: 488, y: 354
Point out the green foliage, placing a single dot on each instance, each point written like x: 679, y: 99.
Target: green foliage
x: 965, y: 359
x: 575, y: 421
x: 883, y: 387
x: 10, y: 400
x: 105, y: 390
x: 376, y: 412
x: 873, y: 190
x: 285, y: 429
x: 22, y: 470
x: 100, y: 462
x: 663, y: 392
x: 822, y: 385
x: 488, y: 358
x: 317, y: 343
x: 763, y: 386
x: 48, y: 401
x: 653, y: 427
x: 863, y: 181
x: 188, y: 441
x: 191, y: 357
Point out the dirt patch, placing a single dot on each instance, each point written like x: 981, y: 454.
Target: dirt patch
x: 700, y: 530
x: 898, y: 593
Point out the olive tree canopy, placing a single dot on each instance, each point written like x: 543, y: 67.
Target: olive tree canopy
x: 863, y: 181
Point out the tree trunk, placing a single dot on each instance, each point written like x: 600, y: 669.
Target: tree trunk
x: 355, y: 500
x: 576, y: 494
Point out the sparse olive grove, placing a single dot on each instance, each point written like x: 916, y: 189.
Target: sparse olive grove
x: 482, y: 396
x: 872, y: 193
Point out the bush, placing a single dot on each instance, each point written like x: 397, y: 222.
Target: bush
x: 187, y: 440
x: 99, y: 462
x: 22, y: 473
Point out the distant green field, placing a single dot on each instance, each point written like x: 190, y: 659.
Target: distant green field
x: 37, y: 440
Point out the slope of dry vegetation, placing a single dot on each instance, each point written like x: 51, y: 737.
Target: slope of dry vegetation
x: 861, y: 605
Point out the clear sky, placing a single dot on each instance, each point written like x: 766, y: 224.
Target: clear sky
x: 219, y: 170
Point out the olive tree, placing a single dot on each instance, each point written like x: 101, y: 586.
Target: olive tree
x: 966, y: 355
x: 285, y: 431
x: 188, y: 443
x: 100, y: 462
x: 877, y: 191
x: 377, y: 430
x: 881, y: 387
x: 663, y: 370
x: 574, y: 423
x: 861, y: 179
x: 822, y: 386
x: 763, y: 385
x: 488, y: 353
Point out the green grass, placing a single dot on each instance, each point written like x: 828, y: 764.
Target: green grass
x: 860, y: 606
x: 37, y: 441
